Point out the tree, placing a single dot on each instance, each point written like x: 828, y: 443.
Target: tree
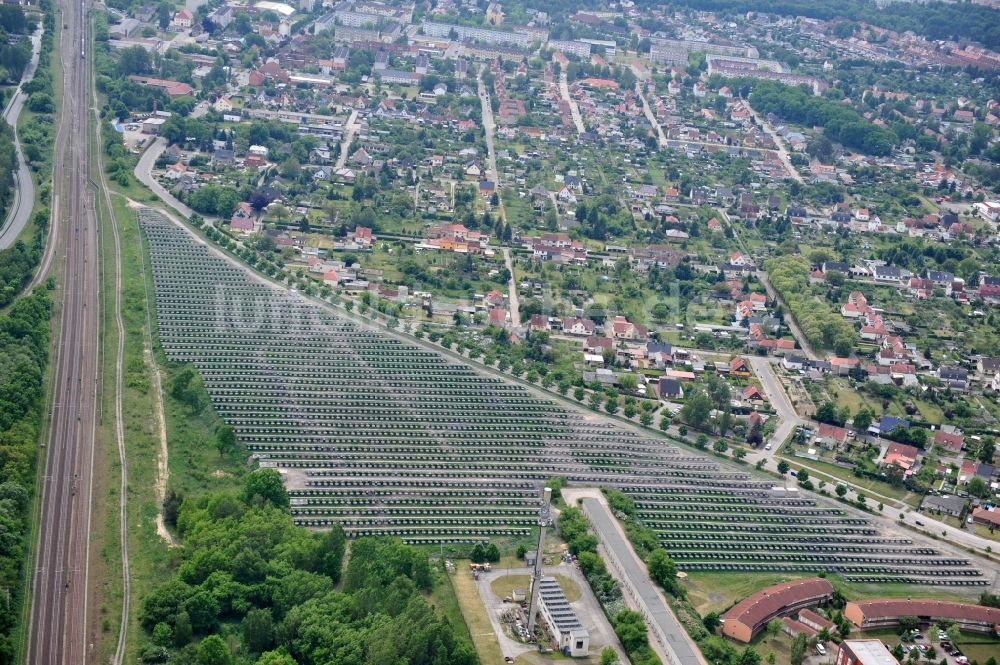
x: 645, y: 418
x: 662, y: 569
x: 275, y: 658
x: 773, y: 628
x: 188, y: 389
x: 265, y: 486
x: 631, y: 630
x: 711, y: 621
x: 163, y: 634
x: 720, y: 446
x: 213, y: 651
x: 660, y: 312
x: 697, y: 408
x: 986, y: 451
x: 133, y: 60
x: 183, y: 632
x: 798, y: 652
x: 609, y: 656
x: 977, y: 487
x: 258, y: 630
x: 164, y: 12
x: 748, y: 656
x: 225, y: 439
x: 841, y: 490
x: 783, y: 467
x: 803, y: 475
x: 863, y: 419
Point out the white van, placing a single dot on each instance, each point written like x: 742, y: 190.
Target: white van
x: 820, y: 649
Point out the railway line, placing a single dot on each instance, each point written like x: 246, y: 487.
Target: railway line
x: 57, y: 622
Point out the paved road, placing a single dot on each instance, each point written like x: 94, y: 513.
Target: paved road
x: 780, y: 143
x: 515, y: 308
x: 58, y: 629
x: 24, y: 184
x: 788, y: 418
x: 144, y: 173
x: 350, y: 129
x: 147, y: 161
x: 669, y: 637
x: 489, y: 126
x: 573, y: 108
x: 661, y: 138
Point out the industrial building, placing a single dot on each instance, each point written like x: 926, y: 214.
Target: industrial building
x: 566, y: 629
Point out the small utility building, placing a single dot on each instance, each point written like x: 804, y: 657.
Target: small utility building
x: 573, y: 638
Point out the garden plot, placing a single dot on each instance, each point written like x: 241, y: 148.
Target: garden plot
x: 387, y: 437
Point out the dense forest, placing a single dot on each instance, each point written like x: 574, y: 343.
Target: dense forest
x: 253, y: 588
x: 15, y: 51
x: 933, y: 20
x: 24, y: 346
x: 840, y: 123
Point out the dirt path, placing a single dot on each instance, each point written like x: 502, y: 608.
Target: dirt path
x: 162, y: 458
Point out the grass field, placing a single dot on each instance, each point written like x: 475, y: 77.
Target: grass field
x: 503, y: 586
x: 872, y: 486
x: 717, y: 592
x: 476, y: 620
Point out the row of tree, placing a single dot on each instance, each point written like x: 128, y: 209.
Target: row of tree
x: 822, y: 327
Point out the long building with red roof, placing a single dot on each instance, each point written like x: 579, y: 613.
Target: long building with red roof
x: 875, y: 614
x: 748, y: 617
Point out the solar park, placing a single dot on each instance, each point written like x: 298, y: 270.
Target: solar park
x: 378, y: 433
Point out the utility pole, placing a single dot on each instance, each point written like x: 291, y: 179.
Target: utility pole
x: 544, y: 520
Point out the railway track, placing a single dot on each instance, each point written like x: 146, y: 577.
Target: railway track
x: 57, y: 623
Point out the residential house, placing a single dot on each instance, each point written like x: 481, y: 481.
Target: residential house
x: 888, y: 423
x: 955, y: 378
x: 831, y: 436
x: 739, y: 367
x: 901, y: 455
x: 947, y: 505
x: 752, y: 393
x: 577, y: 326
x: 951, y: 441
x: 670, y: 389
x: 622, y: 328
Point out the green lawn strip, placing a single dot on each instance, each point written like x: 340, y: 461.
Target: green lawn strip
x: 833, y: 473
x: 193, y: 457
